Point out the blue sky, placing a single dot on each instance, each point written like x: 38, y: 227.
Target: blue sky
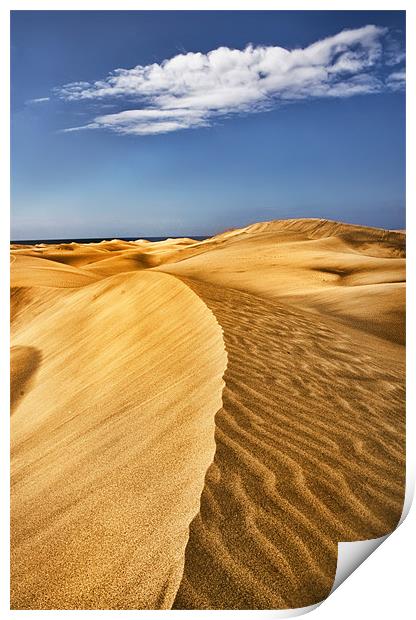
x: 305, y: 119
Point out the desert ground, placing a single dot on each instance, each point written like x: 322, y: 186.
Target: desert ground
x: 197, y: 424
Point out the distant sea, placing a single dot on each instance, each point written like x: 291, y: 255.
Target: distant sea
x: 99, y: 239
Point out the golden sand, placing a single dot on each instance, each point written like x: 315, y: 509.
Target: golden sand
x: 125, y: 442
x: 111, y: 440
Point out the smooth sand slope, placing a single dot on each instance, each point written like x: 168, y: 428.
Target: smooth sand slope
x: 354, y: 273
x: 111, y: 439
x: 117, y: 376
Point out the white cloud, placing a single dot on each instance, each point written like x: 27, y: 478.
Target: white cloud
x: 39, y: 100
x: 396, y: 80
x: 394, y: 53
x: 150, y: 121
x: 191, y: 90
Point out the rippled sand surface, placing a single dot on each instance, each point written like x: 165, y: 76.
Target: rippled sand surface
x: 197, y: 424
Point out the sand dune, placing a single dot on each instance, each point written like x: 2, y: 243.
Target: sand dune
x: 118, y: 373
x: 80, y: 255
x: 111, y: 444
x: 30, y: 271
x: 310, y: 451
x: 301, y: 260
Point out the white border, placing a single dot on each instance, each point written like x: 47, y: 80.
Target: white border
x: 392, y: 570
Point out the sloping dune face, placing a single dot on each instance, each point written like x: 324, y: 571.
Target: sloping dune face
x: 354, y: 273
x: 28, y: 271
x: 115, y: 385
x: 121, y: 498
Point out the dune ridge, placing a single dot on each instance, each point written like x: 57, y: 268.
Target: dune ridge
x: 111, y: 444
x: 126, y: 493
x: 317, y: 265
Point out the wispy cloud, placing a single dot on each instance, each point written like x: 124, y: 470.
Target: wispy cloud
x: 39, y: 100
x: 396, y: 80
x: 193, y: 89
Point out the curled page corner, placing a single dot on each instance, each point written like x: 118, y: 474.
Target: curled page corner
x: 351, y: 555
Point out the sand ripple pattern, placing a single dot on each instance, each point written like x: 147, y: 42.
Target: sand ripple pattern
x: 310, y: 451
x: 117, y: 377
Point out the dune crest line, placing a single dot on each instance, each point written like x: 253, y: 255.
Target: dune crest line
x: 204, y: 441
x: 111, y: 444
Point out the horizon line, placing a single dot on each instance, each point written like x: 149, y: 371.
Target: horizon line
x: 192, y: 236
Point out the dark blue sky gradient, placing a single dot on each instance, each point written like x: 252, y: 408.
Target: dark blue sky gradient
x: 341, y: 159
